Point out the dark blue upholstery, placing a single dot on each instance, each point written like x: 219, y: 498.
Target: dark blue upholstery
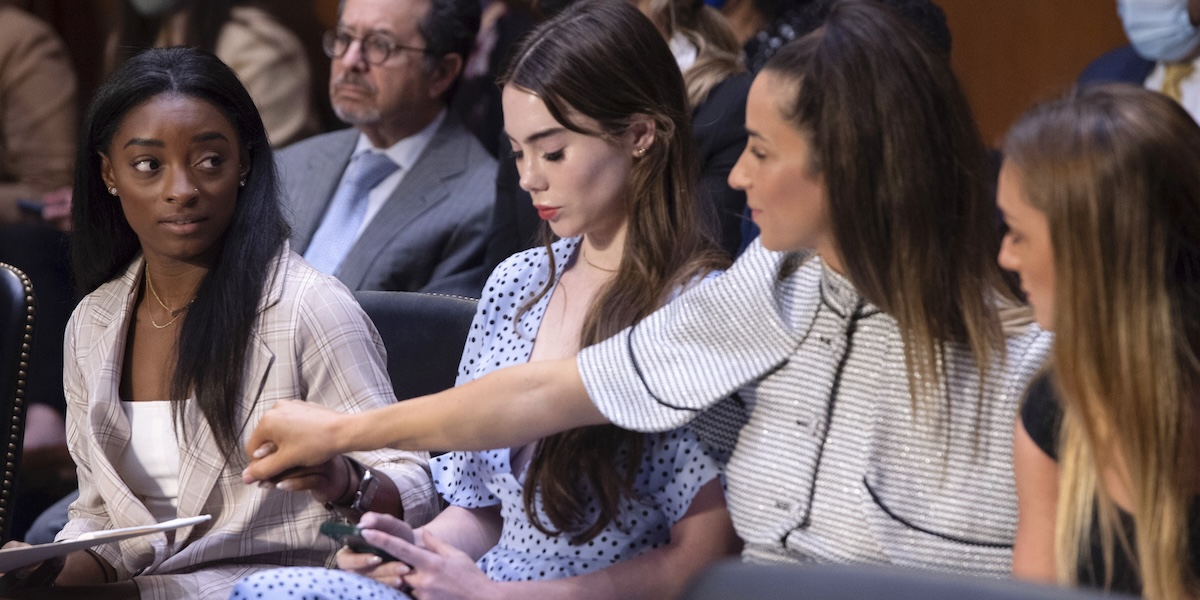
x: 424, y: 335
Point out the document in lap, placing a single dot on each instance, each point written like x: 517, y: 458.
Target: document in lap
x: 15, y: 558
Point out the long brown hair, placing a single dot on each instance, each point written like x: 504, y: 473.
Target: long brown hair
x: 605, y: 60
x: 903, y: 163
x: 718, y: 54
x: 1116, y: 170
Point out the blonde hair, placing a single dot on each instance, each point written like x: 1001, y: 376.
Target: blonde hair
x: 718, y: 54
x: 1116, y: 170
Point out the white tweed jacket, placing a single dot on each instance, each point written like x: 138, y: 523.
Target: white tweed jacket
x: 311, y: 341
x: 830, y: 463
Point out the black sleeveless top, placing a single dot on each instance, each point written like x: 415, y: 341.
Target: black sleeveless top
x: 1042, y: 417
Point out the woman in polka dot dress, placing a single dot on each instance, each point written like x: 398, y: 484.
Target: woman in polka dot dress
x: 595, y: 113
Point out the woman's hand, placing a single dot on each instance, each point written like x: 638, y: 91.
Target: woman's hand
x: 327, y: 482
x: 292, y: 434
x: 389, y: 525
x: 438, y: 570
x: 369, y: 565
x: 33, y: 576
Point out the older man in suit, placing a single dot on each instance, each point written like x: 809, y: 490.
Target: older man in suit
x: 402, y: 200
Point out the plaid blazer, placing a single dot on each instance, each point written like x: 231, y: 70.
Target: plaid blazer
x: 311, y: 341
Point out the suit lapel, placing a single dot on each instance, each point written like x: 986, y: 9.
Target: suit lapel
x: 421, y: 188
x: 202, y: 462
x: 316, y: 184
x: 107, y: 422
x: 108, y: 426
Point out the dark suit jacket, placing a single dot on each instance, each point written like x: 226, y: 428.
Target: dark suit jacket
x: 719, y: 132
x: 1122, y: 65
x: 719, y: 125
x: 430, y: 236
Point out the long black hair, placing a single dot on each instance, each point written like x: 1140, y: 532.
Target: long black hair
x: 213, y: 341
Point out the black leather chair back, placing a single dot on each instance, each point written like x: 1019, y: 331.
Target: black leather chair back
x: 734, y: 580
x: 424, y: 335
x: 16, y: 337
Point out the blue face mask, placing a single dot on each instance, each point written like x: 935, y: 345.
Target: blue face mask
x: 717, y: 4
x: 1159, y: 29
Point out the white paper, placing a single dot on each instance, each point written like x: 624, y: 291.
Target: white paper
x: 15, y: 558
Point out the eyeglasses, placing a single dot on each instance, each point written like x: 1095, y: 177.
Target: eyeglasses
x: 374, y: 47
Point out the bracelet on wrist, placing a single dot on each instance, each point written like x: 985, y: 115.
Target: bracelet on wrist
x: 353, y: 506
x: 354, y: 474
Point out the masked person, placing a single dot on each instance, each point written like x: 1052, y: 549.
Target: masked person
x: 1163, y: 52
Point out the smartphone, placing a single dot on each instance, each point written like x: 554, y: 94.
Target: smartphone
x: 350, y: 535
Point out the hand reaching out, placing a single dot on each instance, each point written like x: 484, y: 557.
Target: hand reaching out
x: 291, y: 434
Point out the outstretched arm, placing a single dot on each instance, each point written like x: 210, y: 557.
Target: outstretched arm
x: 508, y: 407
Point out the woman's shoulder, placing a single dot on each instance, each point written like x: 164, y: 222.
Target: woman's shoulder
x: 291, y: 281
x: 517, y: 270
x: 521, y: 261
x: 301, y: 304
x: 696, y: 279
x: 1027, y: 346
x: 1042, y: 413
x: 108, y: 296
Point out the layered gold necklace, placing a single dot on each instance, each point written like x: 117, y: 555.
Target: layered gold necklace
x: 174, y: 312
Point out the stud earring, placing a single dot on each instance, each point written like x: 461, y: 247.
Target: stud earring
x: 112, y: 191
x: 640, y: 152
x: 242, y: 183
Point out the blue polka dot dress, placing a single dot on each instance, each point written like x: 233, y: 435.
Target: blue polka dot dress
x: 674, y: 466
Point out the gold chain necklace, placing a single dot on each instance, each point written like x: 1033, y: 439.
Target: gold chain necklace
x: 175, y: 313
x: 593, y: 265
